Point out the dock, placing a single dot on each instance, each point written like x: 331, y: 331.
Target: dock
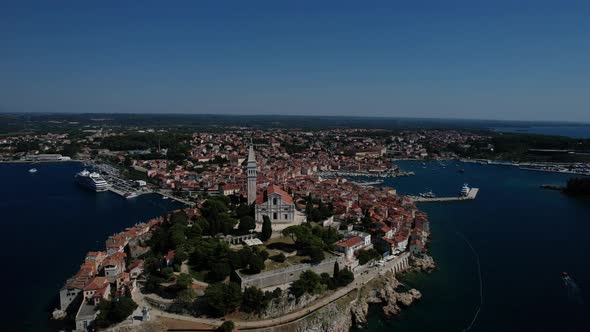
x: 471, y: 195
x: 178, y: 199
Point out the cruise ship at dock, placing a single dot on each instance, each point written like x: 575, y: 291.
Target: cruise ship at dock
x: 92, y: 181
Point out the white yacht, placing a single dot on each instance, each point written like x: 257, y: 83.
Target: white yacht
x: 33, y: 170
x: 92, y: 181
x: 465, y: 190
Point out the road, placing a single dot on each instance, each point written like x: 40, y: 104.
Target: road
x: 360, y: 280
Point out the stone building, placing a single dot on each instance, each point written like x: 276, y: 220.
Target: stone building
x: 278, y: 206
x: 251, y: 169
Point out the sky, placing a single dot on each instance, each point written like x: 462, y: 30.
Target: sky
x: 508, y: 60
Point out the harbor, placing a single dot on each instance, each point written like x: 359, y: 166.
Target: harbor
x: 471, y: 194
x: 128, y: 188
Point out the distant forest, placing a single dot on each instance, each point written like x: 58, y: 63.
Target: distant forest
x: 27, y: 122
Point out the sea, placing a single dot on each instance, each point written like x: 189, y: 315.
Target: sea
x: 578, y: 131
x: 524, y: 238
x: 48, y: 224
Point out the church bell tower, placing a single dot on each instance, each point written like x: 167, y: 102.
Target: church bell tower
x: 251, y: 175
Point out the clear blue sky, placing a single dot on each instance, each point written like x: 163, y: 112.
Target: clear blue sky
x: 460, y: 59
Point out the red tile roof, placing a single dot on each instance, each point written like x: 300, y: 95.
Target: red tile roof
x: 96, y: 284
x: 274, y: 189
x: 350, y: 242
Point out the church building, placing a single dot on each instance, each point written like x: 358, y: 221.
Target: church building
x: 277, y: 205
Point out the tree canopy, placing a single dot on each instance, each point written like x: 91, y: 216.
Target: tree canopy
x: 224, y: 298
x: 266, y: 229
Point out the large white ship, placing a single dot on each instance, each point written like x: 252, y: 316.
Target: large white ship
x: 92, y: 181
x: 465, y: 190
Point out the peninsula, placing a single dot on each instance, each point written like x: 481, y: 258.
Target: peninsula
x: 268, y: 241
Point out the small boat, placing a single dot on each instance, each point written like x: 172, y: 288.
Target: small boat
x: 164, y: 197
x: 130, y: 195
x: 567, y: 280
x: 428, y: 194
x: 460, y: 170
x: 33, y: 170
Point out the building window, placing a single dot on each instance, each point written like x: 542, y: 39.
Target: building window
x: 274, y: 215
x: 286, y: 217
x: 274, y: 201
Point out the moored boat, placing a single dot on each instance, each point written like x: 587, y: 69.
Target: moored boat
x: 92, y: 181
x: 465, y: 190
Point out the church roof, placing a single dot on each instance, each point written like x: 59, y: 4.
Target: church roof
x: 274, y: 189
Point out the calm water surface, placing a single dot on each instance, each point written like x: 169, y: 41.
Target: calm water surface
x: 48, y: 224
x: 525, y: 237
x: 582, y: 131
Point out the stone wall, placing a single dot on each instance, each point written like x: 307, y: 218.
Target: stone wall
x: 286, y: 275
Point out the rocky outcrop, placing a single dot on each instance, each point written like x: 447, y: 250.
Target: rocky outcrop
x: 331, y: 318
x: 423, y: 263
x: 388, y: 295
x: 359, y: 312
x: 352, y: 309
x: 286, y: 303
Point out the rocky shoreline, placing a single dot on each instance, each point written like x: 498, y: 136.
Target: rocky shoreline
x: 353, y: 309
x: 385, y: 291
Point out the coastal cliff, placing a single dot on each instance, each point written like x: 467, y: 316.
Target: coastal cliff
x: 353, y: 309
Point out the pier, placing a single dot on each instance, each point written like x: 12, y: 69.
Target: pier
x: 178, y: 199
x: 471, y: 195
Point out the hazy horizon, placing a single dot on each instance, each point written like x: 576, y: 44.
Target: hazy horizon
x: 506, y: 61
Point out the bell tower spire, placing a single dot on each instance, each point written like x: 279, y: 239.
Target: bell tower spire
x: 251, y: 170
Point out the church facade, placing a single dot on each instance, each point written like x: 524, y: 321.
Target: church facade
x: 277, y: 205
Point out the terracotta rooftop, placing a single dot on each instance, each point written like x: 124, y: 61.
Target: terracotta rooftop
x: 274, y: 189
x: 350, y: 242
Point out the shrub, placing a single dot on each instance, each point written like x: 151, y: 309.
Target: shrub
x: 278, y: 258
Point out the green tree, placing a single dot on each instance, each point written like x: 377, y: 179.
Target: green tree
x: 167, y: 272
x: 309, y: 282
x: 227, y: 326
x: 266, y: 229
x: 194, y: 231
x: 224, y: 298
x: 184, y: 281
x: 187, y: 297
x: 246, y: 224
x: 279, y: 258
x: 243, y: 210
x: 219, y: 271
x: 253, y: 300
x: 364, y: 256
x: 256, y: 264
x: 316, y: 254
x: 345, y: 277
x: 112, y: 312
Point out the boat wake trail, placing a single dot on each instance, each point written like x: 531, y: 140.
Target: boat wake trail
x: 480, y: 283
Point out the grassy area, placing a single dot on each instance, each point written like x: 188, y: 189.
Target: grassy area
x: 282, y: 239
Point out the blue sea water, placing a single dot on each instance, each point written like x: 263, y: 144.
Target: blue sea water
x: 525, y: 237
x: 582, y: 131
x: 48, y: 224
